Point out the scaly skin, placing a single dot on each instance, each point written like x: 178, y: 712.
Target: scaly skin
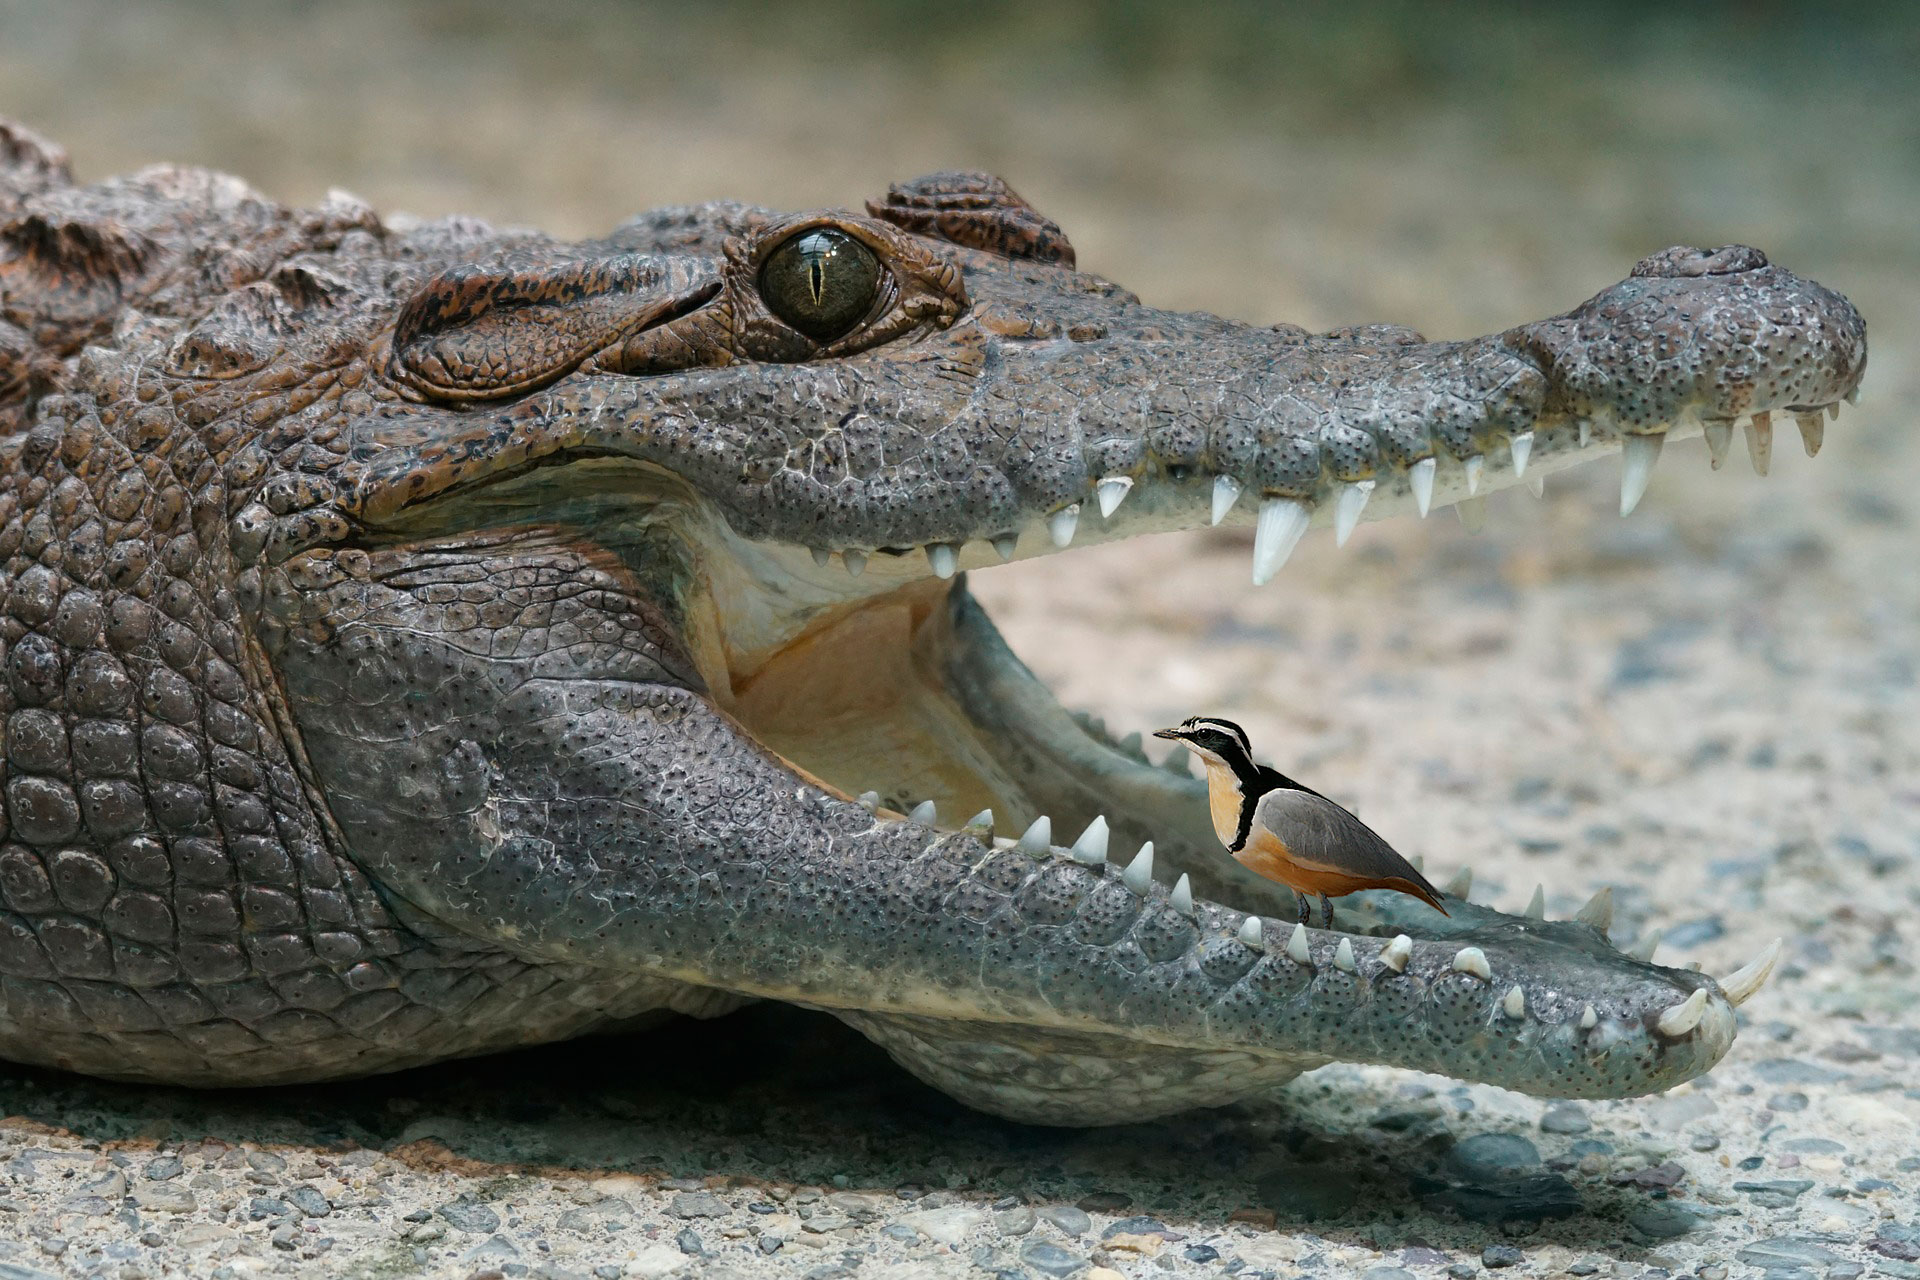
x: 421, y: 640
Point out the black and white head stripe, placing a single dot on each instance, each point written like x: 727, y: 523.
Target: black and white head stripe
x: 1197, y: 725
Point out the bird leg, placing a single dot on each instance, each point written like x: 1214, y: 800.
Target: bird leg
x: 1326, y: 912
x: 1305, y: 906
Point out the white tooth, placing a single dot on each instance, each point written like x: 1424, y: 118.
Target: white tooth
x: 1719, y: 434
x: 1474, y: 961
x: 1537, y: 904
x: 943, y: 558
x: 981, y: 823
x: 923, y: 813
x: 1461, y: 885
x: 1760, y: 442
x: 1343, y: 956
x: 1421, y: 479
x: 1181, y: 899
x: 1139, y: 873
x: 869, y: 800
x: 1643, y: 950
x: 1395, y: 954
x: 1004, y: 544
x: 1586, y: 431
x: 1589, y: 1019
x: 1737, y: 986
x: 1297, y: 946
x: 1812, y: 431
x: 1062, y: 523
x: 1474, y: 465
x: 1599, y: 910
x: 1277, y: 532
x: 821, y: 556
x: 1250, y: 933
x: 1091, y: 847
x: 1226, y: 492
x: 1514, y: 1004
x: 1685, y: 1016
x: 1853, y: 396
x: 1178, y: 761
x: 1637, y: 456
x: 1522, y: 447
x: 1038, y: 838
x: 1472, y: 513
x: 1833, y: 411
x: 1536, y: 483
x: 1347, y: 508
x: 1111, y: 492
x: 855, y: 561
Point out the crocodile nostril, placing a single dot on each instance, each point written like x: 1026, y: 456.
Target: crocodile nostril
x: 1683, y: 260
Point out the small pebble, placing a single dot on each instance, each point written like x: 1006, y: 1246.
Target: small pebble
x: 1501, y: 1255
x: 1565, y: 1117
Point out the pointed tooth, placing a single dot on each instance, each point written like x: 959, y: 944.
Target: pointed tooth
x: 1719, y: 434
x: 821, y: 556
x: 1347, y: 509
x: 1038, y: 838
x: 1111, y: 492
x: 1181, y: 899
x: 1812, y: 431
x: 1130, y: 745
x: 1643, y: 950
x: 1514, y: 1004
x: 1226, y: 492
x: 1853, y: 396
x: 1522, y: 449
x: 944, y: 559
x: 1420, y: 479
x: 1062, y: 523
x: 1833, y: 411
x: 1472, y: 513
x: 1250, y: 934
x: 869, y: 800
x: 1178, y: 761
x: 1004, y: 544
x: 1637, y: 456
x: 1589, y: 1019
x: 980, y: 824
x: 1599, y: 910
x: 1537, y: 904
x: 1461, y: 885
x: 1760, y: 442
x: 1343, y: 956
x: 1474, y: 961
x: 1419, y: 861
x: 1536, y: 483
x: 1091, y: 847
x: 1395, y: 954
x: 1474, y: 465
x: 1139, y: 873
x: 924, y: 813
x: 1297, y: 946
x: 1742, y: 983
x: 1586, y: 432
x: 855, y: 562
x: 1281, y: 522
x: 1685, y: 1016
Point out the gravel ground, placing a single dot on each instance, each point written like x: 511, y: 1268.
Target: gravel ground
x: 1710, y: 706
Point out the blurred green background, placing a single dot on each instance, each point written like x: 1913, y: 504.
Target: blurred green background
x: 1458, y: 167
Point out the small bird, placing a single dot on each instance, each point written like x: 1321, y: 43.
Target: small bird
x: 1290, y: 833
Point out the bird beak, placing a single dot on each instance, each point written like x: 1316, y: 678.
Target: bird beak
x: 1167, y: 733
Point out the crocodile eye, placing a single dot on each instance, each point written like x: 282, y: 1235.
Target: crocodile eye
x: 822, y: 282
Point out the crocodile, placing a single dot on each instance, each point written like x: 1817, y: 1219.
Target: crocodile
x: 423, y: 638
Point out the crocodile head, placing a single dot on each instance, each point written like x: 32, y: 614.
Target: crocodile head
x: 611, y: 598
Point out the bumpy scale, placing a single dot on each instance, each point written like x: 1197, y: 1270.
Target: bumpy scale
x: 419, y: 641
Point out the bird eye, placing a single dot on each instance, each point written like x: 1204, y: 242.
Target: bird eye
x: 822, y: 282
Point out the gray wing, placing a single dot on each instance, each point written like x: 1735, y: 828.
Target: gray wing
x: 1319, y: 832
